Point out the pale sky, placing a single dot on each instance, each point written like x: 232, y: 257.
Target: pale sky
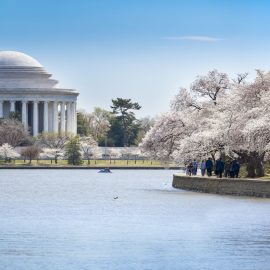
x: 139, y: 49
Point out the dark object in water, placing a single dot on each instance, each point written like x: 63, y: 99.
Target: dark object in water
x: 105, y: 170
x: 115, y: 198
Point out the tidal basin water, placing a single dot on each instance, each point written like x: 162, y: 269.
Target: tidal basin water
x: 72, y: 219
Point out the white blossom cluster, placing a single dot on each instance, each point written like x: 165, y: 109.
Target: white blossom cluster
x: 216, y: 116
x: 8, y: 152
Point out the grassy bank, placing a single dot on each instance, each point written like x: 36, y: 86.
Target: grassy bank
x: 243, y: 171
x: 91, y: 163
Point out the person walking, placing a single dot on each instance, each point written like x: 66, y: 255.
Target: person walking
x: 227, y: 166
x: 219, y: 168
x: 209, y: 166
x: 189, y: 168
x: 203, y: 167
x: 186, y: 168
x: 234, y: 169
x: 195, y: 167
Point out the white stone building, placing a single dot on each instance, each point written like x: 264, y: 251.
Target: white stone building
x: 27, y: 88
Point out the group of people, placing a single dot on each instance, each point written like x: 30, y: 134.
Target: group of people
x: 229, y: 169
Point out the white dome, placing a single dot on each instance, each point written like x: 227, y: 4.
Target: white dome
x: 17, y: 59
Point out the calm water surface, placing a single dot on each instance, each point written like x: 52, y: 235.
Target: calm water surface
x: 69, y: 219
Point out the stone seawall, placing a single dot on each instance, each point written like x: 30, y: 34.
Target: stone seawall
x: 224, y: 186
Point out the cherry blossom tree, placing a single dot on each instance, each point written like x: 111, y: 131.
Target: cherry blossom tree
x: 216, y: 117
x: 30, y: 152
x: 12, y: 132
x: 54, y: 141
x: 130, y: 153
x: 211, y: 85
x: 185, y: 100
x: 97, y: 153
x: 52, y: 154
x: 88, y: 146
x: 7, y: 152
x: 249, y: 132
x: 163, y: 140
x: 114, y: 153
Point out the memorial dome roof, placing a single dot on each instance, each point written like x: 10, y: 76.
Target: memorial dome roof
x: 17, y: 59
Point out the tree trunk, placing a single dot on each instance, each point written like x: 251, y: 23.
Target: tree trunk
x: 251, y: 168
x: 260, y: 167
x: 255, y: 167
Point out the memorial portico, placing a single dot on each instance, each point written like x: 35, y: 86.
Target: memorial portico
x: 28, y: 90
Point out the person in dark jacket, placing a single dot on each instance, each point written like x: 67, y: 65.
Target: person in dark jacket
x: 231, y: 169
x: 209, y: 166
x: 227, y: 167
x: 195, y: 167
x: 189, y: 168
x: 234, y: 169
x: 219, y: 168
x: 237, y: 169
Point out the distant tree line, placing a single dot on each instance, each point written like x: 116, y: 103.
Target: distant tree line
x: 118, y: 127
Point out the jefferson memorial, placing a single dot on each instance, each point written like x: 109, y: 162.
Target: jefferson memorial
x: 27, y: 88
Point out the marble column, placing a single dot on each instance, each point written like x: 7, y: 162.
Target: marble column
x: 55, y: 117
x: 72, y: 117
x: 69, y: 120
x: 35, y: 118
x: 45, y: 117
x: 63, y: 120
x: 24, y: 113
x: 12, y: 106
x: 75, y: 118
x: 1, y: 109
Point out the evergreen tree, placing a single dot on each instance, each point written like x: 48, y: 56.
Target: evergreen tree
x: 73, y: 151
x: 124, y: 125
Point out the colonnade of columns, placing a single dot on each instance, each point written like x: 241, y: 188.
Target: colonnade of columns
x: 64, y: 121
